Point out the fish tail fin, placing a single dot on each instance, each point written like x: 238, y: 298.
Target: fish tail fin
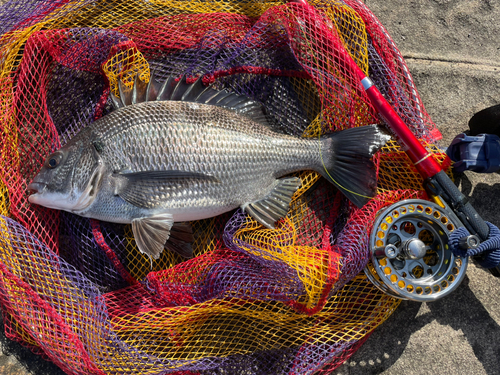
x: 346, y: 158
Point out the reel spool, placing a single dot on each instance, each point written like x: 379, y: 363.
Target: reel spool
x: 410, y: 256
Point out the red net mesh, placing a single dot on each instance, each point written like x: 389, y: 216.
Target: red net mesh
x: 252, y: 300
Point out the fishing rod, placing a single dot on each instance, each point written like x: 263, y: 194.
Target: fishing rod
x: 436, y: 182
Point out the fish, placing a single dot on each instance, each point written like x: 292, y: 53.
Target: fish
x: 173, y: 152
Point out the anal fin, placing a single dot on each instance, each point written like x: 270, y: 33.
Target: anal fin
x: 275, y: 204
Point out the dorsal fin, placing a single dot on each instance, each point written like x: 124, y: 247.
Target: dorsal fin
x: 187, y: 92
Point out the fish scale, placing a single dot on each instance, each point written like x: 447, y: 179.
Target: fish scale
x: 236, y: 149
x: 160, y: 162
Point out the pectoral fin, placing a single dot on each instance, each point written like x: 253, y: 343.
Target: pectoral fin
x: 274, y: 205
x: 138, y: 188
x: 152, y: 234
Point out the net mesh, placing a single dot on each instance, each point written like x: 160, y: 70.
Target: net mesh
x: 252, y: 300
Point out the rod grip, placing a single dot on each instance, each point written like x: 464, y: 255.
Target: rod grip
x: 464, y: 210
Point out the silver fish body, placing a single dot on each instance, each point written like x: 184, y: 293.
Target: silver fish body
x: 159, y: 162
x: 240, y: 158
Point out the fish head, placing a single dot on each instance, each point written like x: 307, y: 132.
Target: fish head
x: 69, y: 179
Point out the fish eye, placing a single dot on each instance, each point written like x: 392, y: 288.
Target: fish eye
x: 53, y: 160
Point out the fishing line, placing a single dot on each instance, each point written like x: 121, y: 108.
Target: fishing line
x: 319, y: 134
x: 328, y: 173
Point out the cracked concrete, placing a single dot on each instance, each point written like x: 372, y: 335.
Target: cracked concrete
x: 462, y: 62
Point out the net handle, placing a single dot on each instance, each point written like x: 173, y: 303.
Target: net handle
x: 423, y: 160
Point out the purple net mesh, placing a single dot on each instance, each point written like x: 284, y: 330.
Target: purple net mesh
x: 252, y: 300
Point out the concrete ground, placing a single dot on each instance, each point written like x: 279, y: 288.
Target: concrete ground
x: 453, y: 51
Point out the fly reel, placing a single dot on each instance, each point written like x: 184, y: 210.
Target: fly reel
x: 410, y: 256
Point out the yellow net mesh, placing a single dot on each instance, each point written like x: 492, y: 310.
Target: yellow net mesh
x: 287, y: 300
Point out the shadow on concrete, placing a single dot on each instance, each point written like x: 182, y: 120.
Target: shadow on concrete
x: 484, y: 197
x: 25, y: 361
x: 462, y: 312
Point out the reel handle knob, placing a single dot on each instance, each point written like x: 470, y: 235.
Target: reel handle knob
x: 469, y: 242
x: 389, y: 251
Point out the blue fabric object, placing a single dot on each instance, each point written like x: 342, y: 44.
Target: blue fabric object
x: 491, y: 247
x: 479, y: 154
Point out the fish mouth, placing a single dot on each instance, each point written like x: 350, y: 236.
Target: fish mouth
x: 36, y: 187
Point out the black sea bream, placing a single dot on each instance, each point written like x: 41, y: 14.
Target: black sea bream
x: 179, y: 152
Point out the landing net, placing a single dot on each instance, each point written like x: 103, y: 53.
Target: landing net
x: 252, y: 300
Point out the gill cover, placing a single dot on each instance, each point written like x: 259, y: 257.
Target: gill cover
x: 88, y: 195
x: 89, y: 192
